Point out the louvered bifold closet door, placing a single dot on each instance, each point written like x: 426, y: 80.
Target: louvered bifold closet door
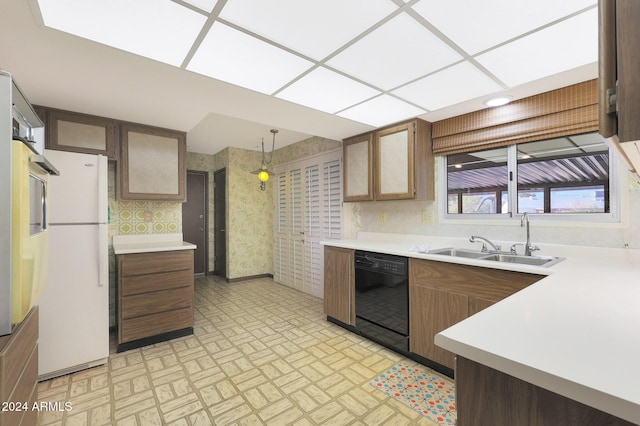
x: 296, y: 236
x: 281, y: 272
x: 332, y: 203
x: 308, y: 210
x: 313, y: 230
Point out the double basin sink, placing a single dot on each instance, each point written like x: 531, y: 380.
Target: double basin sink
x: 545, y: 261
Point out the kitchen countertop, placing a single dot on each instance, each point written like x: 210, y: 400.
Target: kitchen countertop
x: 576, y: 332
x: 127, y: 244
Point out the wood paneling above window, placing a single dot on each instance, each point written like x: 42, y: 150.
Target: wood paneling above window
x: 566, y: 111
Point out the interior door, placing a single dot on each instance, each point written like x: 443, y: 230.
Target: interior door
x: 220, y: 222
x: 194, y: 219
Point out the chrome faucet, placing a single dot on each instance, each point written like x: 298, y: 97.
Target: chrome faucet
x: 528, y: 248
x: 496, y: 247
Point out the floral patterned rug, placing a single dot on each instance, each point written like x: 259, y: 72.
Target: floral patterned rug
x: 428, y: 394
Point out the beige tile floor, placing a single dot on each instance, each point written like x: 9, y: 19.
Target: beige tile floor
x: 261, y: 354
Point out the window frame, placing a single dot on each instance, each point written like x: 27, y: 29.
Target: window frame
x: 617, y: 186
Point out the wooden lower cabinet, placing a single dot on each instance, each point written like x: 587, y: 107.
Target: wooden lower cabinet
x: 503, y: 400
x: 339, y: 284
x: 19, y: 373
x: 155, y: 297
x: 476, y: 304
x: 442, y: 294
x: 429, y: 317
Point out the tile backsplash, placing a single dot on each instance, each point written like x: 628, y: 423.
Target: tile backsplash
x: 147, y: 217
x: 142, y: 217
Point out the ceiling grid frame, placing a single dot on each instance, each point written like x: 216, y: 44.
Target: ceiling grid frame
x: 400, y: 7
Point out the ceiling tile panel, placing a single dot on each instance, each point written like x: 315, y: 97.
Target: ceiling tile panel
x: 314, y: 28
x: 488, y: 23
x: 235, y: 57
x: 567, y: 45
x: 206, y: 5
x: 327, y: 91
x: 448, y: 87
x: 399, y: 51
x: 382, y: 110
x: 156, y: 29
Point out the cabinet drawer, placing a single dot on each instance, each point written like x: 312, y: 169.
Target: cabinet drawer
x: 146, y: 283
x: 24, y: 392
x: 151, y: 325
x: 150, y: 263
x: 158, y: 301
x: 19, y: 346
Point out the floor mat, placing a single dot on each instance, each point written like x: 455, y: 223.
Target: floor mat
x: 423, y: 391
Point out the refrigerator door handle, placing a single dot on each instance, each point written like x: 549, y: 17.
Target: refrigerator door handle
x: 103, y: 189
x: 103, y: 227
x: 103, y: 254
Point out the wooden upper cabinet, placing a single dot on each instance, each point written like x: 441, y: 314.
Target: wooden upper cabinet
x: 152, y: 163
x: 358, y: 168
x: 89, y: 134
x: 404, y: 162
x: 394, y: 160
x: 392, y: 163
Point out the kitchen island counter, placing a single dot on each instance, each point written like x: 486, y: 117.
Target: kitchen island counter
x: 575, y: 332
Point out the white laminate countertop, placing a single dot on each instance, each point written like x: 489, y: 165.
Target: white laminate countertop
x: 127, y: 244
x: 576, y: 332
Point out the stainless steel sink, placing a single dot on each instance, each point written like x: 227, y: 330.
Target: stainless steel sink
x: 525, y: 260
x: 545, y: 261
x: 450, y: 251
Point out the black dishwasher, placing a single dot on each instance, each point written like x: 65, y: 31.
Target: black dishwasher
x: 382, y: 300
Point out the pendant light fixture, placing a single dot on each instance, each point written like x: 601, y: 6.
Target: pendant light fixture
x: 264, y: 173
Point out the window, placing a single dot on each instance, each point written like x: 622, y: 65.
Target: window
x: 561, y: 176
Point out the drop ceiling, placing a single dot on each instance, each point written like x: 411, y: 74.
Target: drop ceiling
x: 330, y: 68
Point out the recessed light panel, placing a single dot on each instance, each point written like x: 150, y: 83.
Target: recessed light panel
x: 235, y: 57
x: 382, y: 110
x: 559, y: 48
x: 314, y: 28
x: 399, y: 51
x: 156, y: 29
x: 487, y: 23
x: 447, y: 87
x: 327, y: 91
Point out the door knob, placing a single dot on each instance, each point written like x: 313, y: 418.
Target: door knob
x: 200, y: 229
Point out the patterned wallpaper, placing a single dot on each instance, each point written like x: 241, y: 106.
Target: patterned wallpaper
x: 305, y: 148
x: 249, y: 210
x: 141, y: 217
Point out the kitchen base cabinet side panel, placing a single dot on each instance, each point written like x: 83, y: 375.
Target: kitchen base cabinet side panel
x: 339, y: 284
x: 503, y: 400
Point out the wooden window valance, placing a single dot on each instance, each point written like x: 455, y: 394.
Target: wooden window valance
x: 561, y: 112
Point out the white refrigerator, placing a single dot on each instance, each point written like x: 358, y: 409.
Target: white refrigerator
x: 74, y: 307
